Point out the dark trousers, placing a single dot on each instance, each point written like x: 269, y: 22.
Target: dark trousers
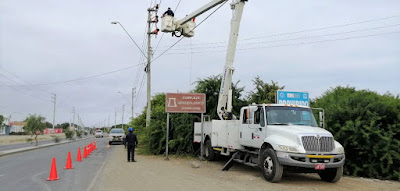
x: 131, y: 152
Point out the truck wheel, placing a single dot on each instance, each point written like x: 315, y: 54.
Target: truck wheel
x: 271, y: 168
x: 331, y: 174
x: 209, y: 153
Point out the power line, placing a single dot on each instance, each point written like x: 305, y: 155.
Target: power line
x: 293, y: 44
x: 301, y: 31
x: 191, y: 30
x: 299, y: 38
x: 84, y: 78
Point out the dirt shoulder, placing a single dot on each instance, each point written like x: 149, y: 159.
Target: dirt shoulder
x: 12, y: 139
x: 154, y: 173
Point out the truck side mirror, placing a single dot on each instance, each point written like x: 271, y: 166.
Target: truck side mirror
x: 321, y: 119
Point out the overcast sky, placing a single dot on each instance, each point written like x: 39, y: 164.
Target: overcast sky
x: 304, y: 45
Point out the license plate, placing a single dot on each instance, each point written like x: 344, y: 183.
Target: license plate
x: 319, y: 166
x: 116, y: 139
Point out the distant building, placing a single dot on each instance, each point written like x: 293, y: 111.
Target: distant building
x: 17, y: 126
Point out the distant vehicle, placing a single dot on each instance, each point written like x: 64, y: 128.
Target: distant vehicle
x: 98, y: 133
x: 116, y: 135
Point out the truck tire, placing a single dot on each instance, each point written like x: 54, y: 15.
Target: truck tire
x: 271, y: 168
x: 209, y: 153
x: 331, y: 174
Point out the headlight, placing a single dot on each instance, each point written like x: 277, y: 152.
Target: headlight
x: 288, y: 148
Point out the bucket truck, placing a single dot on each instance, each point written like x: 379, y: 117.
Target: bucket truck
x: 273, y: 137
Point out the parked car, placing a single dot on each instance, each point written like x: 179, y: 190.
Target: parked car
x: 98, y: 133
x: 116, y: 135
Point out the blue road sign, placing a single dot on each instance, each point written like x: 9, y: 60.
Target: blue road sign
x: 294, y: 98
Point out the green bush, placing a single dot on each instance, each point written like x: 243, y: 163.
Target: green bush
x: 79, y: 134
x: 55, y: 138
x: 69, y: 134
x: 368, y: 126
x: 29, y: 140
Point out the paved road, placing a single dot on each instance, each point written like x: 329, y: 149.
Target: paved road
x: 22, y: 145
x: 29, y: 170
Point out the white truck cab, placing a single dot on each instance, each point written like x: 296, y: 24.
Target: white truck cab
x: 275, y: 137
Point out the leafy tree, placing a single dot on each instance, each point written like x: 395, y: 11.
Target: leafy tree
x: 2, y: 118
x: 35, y: 125
x: 264, y: 92
x: 48, y: 125
x: 368, y: 126
x: 211, y: 86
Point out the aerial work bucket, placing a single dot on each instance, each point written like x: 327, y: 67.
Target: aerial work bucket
x: 188, y: 29
x: 168, y: 24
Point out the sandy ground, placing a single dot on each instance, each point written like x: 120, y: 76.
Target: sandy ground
x: 11, y: 139
x: 154, y: 173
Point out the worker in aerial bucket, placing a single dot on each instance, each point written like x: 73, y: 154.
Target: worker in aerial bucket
x: 169, y: 12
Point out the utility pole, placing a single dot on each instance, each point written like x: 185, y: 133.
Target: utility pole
x: 73, y: 116
x: 123, y: 110
x: 149, y: 53
x: 133, y: 96
x: 54, y: 110
x: 115, y: 119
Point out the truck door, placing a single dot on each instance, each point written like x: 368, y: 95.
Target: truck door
x: 258, y: 127
x: 244, y: 129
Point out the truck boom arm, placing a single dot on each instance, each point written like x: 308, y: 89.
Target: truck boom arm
x: 200, y: 11
x: 225, y: 94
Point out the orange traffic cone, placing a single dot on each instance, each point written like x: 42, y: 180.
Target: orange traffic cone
x: 79, y: 157
x: 53, y: 171
x: 69, y: 162
x: 84, y: 152
x: 89, y: 150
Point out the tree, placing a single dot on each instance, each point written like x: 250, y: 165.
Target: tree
x: 2, y: 118
x: 35, y: 125
x: 264, y: 92
x: 48, y: 125
x: 211, y: 86
x: 368, y: 126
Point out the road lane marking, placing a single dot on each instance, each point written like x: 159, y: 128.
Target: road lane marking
x: 36, y: 179
x: 95, y: 177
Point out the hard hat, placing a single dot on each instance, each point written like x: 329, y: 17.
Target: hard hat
x: 130, y: 128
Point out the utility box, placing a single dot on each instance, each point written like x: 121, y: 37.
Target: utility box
x: 188, y: 29
x: 168, y: 24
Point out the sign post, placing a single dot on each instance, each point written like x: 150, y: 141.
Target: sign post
x: 185, y: 103
x: 166, y: 138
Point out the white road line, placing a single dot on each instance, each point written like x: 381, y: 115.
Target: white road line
x: 36, y: 179
x: 95, y: 177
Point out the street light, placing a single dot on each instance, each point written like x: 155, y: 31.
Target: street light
x: 116, y: 22
x: 130, y: 102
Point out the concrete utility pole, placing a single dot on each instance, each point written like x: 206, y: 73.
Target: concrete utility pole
x: 54, y: 110
x: 115, y: 119
x: 123, y: 110
x: 73, y: 116
x: 149, y: 53
x: 133, y: 96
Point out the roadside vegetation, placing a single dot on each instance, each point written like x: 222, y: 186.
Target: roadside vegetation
x: 365, y: 122
x: 35, y: 125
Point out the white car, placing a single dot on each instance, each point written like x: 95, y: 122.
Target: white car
x: 98, y: 133
x: 116, y: 135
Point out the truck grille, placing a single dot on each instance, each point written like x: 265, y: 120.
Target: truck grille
x: 313, y: 144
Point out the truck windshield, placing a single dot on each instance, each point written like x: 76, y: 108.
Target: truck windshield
x: 290, y: 116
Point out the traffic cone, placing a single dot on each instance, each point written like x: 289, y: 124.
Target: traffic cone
x: 79, y: 157
x: 89, y: 149
x: 69, y: 162
x: 53, y: 171
x: 84, y: 152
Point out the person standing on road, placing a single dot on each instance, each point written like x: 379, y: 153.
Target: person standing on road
x: 131, y: 141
